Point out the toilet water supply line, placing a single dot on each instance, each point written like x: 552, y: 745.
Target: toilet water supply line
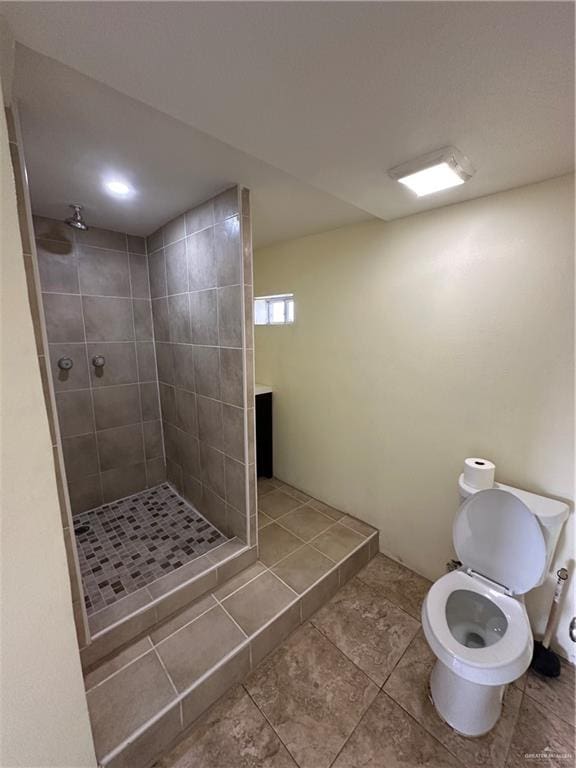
x: 562, y: 576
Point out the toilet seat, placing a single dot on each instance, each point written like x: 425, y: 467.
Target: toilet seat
x: 496, y: 664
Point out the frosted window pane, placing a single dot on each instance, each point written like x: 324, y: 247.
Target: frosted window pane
x: 290, y: 311
x: 277, y: 311
x: 261, y: 312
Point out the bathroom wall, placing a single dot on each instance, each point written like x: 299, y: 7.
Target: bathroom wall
x: 96, y: 300
x: 417, y: 343
x: 199, y: 273
x: 39, y: 660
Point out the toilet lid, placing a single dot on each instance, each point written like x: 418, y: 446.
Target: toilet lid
x: 497, y: 535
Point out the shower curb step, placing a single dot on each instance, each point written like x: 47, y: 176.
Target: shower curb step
x: 175, y: 716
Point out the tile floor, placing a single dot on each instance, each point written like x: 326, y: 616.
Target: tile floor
x: 185, y: 663
x: 128, y: 544
x: 348, y: 689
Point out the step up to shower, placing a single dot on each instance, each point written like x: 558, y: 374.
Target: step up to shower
x: 144, y: 698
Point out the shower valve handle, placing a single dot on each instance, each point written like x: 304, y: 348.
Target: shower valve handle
x: 98, y: 361
x: 65, y: 363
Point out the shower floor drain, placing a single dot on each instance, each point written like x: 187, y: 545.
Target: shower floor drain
x: 81, y: 529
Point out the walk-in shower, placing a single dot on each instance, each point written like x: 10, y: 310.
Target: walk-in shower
x: 150, y: 354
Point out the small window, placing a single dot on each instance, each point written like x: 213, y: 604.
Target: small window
x: 274, y: 310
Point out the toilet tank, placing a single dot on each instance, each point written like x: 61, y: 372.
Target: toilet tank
x: 551, y: 515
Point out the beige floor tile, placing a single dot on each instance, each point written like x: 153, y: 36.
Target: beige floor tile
x: 556, y: 694
x: 326, y: 509
x: 371, y: 631
x: 233, y: 734
x: 312, y: 695
x: 337, y: 542
x: 239, y: 580
x: 358, y: 525
x: 193, y: 650
x: 258, y: 602
x: 291, y: 491
x: 277, y: 503
x: 306, y: 522
x: 266, y: 486
x: 303, y: 568
x: 180, y: 620
x: 387, y: 737
x: 275, y: 543
x: 126, y: 701
x: 113, y: 664
x: 263, y: 520
x: 408, y: 686
x: 399, y: 584
x: 538, y: 732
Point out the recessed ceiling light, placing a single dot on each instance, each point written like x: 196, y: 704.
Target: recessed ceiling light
x: 434, y: 172
x: 118, y: 188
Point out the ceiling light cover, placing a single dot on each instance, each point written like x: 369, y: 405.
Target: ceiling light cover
x: 118, y: 188
x: 442, y: 169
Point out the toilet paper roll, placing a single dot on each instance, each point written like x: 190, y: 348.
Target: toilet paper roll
x: 479, y: 473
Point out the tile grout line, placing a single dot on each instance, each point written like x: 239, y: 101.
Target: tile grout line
x: 265, y: 716
x: 168, y: 675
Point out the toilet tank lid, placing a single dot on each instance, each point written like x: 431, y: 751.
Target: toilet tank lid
x: 496, y: 535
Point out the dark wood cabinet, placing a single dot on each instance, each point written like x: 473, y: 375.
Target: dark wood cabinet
x: 264, y: 449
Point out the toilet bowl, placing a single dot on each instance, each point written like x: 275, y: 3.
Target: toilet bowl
x: 474, y: 618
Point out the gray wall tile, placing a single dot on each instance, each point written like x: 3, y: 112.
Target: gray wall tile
x: 101, y: 238
x: 108, y: 319
x: 157, y: 274
x: 210, y: 421
x: 207, y: 371
x: 136, y: 244
x: 117, y: 483
x: 183, y: 355
x: 179, y: 318
x: 120, y: 366
x: 63, y: 315
x: 142, y: 309
x: 117, y: 406
x: 153, y: 439
x: 186, y: 417
x: 150, y: 401
x: 75, y: 412
x: 102, y: 272
x: 176, y: 267
x: 200, y: 217
x: 146, y: 361
x: 80, y: 456
x: 228, y: 252
x: 230, y: 316
x: 120, y: 447
x: 231, y: 370
x: 204, y: 317
x: 85, y: 493
x: 139, y: 276
x: 58, y: 266
x: 77, y: 377
x: 201, y: 260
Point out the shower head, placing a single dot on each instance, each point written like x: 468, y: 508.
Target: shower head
x: 76, y: 220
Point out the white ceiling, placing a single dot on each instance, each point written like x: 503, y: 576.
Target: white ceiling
x: 78, y: 131
x: 327, y: 96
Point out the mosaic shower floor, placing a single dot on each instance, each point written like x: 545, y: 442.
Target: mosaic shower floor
x: 127, y: 544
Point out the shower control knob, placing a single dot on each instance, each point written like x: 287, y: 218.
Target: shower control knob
x: 573, y: 630
x: 65, y: 363
x: 98, y: 361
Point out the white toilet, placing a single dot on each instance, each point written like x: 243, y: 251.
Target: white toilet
x: 474, y: 618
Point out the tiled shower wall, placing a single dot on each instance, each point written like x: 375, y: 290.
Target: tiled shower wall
x: 96, y: 300
x: 200, y: 267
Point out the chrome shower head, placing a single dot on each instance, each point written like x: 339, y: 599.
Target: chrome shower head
x: 76, y: 220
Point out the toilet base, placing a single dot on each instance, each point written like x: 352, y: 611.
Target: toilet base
x: 470, y: 708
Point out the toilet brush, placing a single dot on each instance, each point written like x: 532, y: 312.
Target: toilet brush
x: 545, y: 661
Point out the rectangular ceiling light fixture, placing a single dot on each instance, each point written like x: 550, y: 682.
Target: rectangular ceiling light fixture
x: 438, y: 170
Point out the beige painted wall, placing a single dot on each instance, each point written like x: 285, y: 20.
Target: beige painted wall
x: 44, y: 718
x: 420, y: 342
